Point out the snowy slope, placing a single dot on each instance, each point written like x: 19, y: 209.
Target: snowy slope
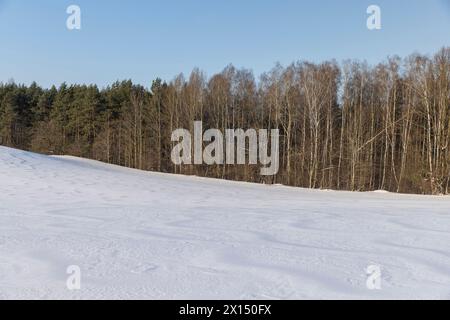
x: 154, y: 236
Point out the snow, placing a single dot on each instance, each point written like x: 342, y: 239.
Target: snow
x: 140, y: 235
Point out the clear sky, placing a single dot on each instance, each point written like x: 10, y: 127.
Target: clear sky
x: 144, y: 39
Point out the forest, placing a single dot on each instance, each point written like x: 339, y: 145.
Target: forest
x: 343, y: 126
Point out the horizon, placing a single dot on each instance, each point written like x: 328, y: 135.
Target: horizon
x: 257, y: 77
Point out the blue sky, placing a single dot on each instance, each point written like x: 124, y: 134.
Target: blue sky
x: 144, y: 39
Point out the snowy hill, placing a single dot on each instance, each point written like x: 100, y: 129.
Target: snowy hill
x: 154, y: 236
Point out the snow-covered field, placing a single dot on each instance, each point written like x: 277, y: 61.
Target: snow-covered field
x: 154, y: 236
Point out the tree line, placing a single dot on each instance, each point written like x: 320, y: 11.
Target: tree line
x: 348, y: 126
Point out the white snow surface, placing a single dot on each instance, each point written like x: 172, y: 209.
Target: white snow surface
x: 141, y: 235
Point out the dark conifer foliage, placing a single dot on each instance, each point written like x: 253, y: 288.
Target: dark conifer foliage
x: 347, y: 127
